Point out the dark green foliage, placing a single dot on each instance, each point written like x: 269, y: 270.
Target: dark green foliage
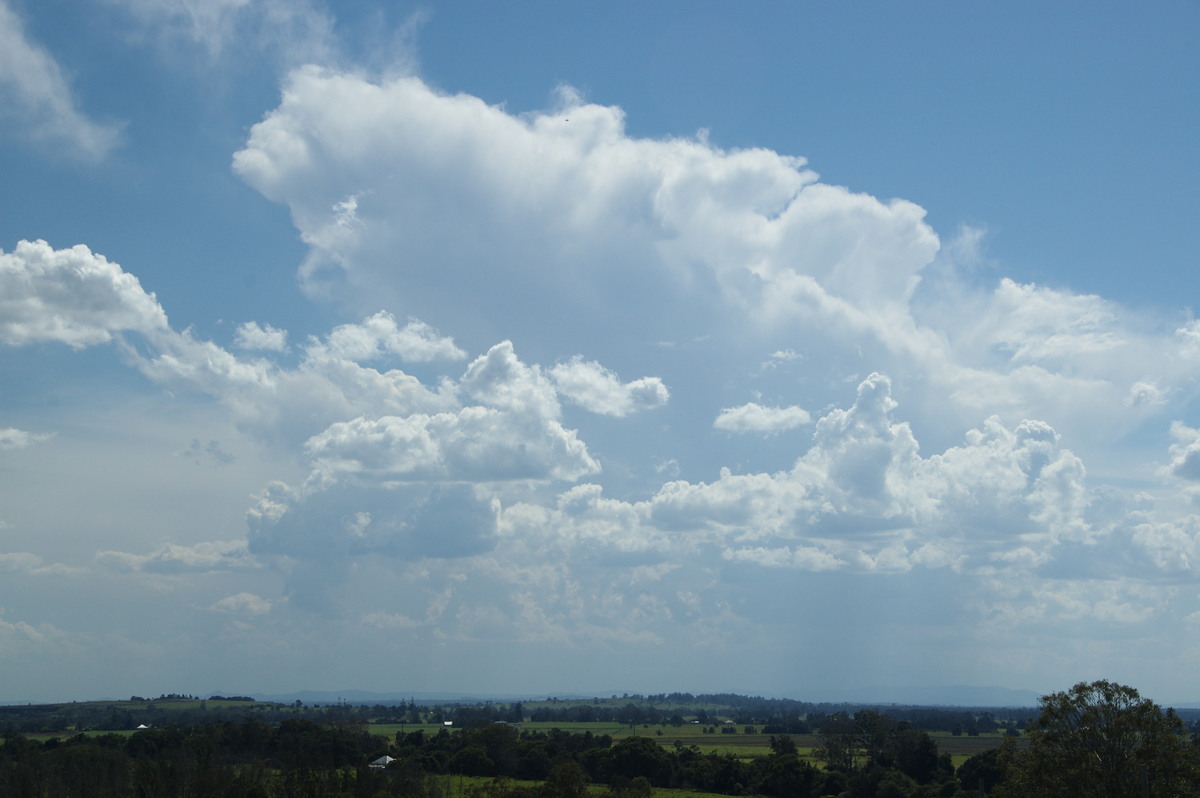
x: 869, y: 745
x: 981, y: 772
x: 278, y: 751
x: 786, y: 775
x: 1101, y: 740
x: 565, y: 780
x: 638, y: 756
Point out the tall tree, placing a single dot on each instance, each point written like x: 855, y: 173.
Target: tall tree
x: 1102, y: 740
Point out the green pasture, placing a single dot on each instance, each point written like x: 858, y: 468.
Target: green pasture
x: 595, y: 727
x: 389, y: 730
x: 965, y: 744
x: 42, y: 737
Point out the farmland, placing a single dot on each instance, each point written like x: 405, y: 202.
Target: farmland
x: 622, y: 747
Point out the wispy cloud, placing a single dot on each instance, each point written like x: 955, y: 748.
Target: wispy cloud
x: 36, y: 99
x: 12, y: 438
x: 293, y: 31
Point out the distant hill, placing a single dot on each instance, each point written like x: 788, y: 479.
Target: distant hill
x: 359, y: 697
x: 944, y: 696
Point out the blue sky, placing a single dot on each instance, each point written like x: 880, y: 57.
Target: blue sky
x: 782, y: 348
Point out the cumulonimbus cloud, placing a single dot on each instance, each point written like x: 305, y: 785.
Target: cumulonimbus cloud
x: 571, y: 217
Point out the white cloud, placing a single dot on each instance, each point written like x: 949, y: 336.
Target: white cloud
x: 26, y: 563
x: 36, y: 96
x: 292, y: 404
x: 295, y: 31
x: 385, y: 620
x: 862, y: 496
x: 70, y: 296
x: 19, y: 637
x: 496, y: 224
x: 12, y: 438
x: 1189, y: 339
x: 501, y: 380
x: 804, y: 558
x: 444, y: 505
x: 595, y: 388
x: 753, y: 417
x: 254, y: 337
x: 1146, y: 393
x: 1042, y: 325
x: 172, y: 558
x: 1185, y: 452
x: 243, y: 604
x: 474, y: 444
x: 378, y: 335
x: 516, y: 435
x: 676, y: 232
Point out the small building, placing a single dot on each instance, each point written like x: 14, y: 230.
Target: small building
x: 382, y: 762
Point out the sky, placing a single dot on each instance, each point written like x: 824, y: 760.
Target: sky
x: 539, y: 348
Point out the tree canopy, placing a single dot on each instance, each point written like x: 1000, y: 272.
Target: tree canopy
x: 1102, y: 740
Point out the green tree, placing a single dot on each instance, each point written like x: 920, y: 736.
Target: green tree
x: 786, y: 775
x: 565, y: 780
x: 981, y: 772
x: 782, y: 744
x: 1102, y: 740
x: 630, y: 715
x: 915, y: 754
x: 640, y: 756
x: 839, y: 744
x: 472, y: 761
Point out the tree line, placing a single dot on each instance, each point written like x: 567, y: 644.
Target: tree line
x: 1098, y: 739
x: 301, y: 759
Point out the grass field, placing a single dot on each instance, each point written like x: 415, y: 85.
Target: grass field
x: 462, y: 785
x: 389, y: 729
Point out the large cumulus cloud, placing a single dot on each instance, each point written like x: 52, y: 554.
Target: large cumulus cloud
x: 501, y: 225
x: 447, y: 203
x: 547, y: 314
